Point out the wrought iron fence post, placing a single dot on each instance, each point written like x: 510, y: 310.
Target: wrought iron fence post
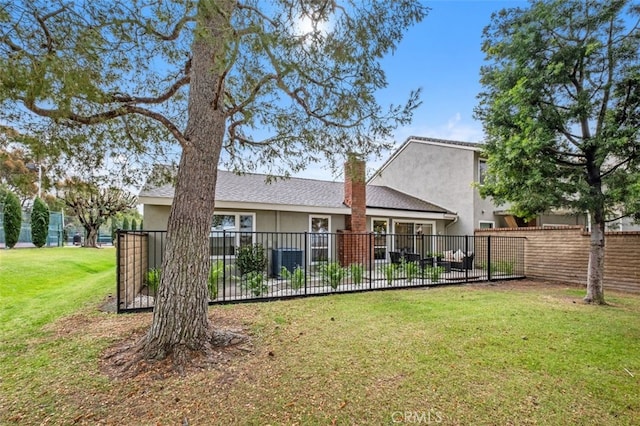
x: 224, y: 265
x: 307, y: 261
x: 489, y: 258
x: 466, y: 252
x: 118, y: 278
x: 372, y: 259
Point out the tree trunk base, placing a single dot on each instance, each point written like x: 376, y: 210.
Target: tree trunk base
x: 594, y: 300
x: 129, y: 359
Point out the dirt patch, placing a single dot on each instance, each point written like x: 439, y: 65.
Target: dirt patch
x: 125, y: 360
x: 230, y: 341
x: 527, y: 284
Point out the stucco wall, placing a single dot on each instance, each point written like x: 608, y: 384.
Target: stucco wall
x: 156, y: 217
x: 441, y: 174
x: 562, y: 254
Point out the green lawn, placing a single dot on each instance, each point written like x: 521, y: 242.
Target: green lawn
x: 481, y: 354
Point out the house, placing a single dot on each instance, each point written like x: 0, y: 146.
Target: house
x: 248, y: 203
x: 445, y: 173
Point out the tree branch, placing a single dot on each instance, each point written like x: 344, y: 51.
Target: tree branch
x: 105, y: 116
x: 176, y: 29
x: 294, y: 95
x: 185, y: 80
x: 617, y: 166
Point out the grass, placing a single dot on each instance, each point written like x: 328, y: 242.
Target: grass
x: 39, y: 286
x: 504, y: 354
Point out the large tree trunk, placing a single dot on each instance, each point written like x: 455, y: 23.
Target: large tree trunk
x: 92, y: 237
x: 180, y: 320
x: 595, y: 273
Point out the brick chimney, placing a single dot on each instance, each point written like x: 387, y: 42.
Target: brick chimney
x: 355, y: 193
x: 355, y: 246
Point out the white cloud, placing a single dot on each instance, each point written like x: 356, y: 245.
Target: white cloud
x: 454, y: 129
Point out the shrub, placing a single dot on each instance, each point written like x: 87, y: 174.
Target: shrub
x: 410, y: 269
x: 114, y: 228
x: 39, y: 223
x: 134, y: 224
x: 255, y: 282
x: 12, y: 219
x: 125, y: 224
x: 391, y: 271
x: 251, y: 258
x: 356, y: 271
x: 503, y: 266
x: 499, y: 266
x: 153, y: 279
x: 433, y: 273
x: 332, y: 274
x: 296, y: 278
x: 216, y: 273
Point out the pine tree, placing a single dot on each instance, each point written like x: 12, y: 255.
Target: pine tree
x: 12, y: 219
x: 39, y: 223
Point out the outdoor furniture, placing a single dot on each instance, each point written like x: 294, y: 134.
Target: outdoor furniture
x: 459, y: 260
x: 444, y: 264
x: 397, y: 257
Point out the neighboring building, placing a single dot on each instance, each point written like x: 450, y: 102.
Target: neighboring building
x: 248, y: 203
x: 445, y: 173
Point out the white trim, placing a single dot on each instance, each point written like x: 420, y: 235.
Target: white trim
x: 387, y: 245
x: 329, y: 246
x: 490, y: 222
x: 415, y: 221
x: 409, y: 214
x: 480, y: 161
x: 236, y: 229
x: 371, y: 212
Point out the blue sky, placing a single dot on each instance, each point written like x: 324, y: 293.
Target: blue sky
x: 441, y: 55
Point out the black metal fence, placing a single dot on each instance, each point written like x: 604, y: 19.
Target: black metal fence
x: 248, y: 266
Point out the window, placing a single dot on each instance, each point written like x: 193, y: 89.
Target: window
x: 229, y: 231
x: 485, y: 224
x: 482, y: 171
x: 319, y: 238
x: 380, y: 230
x: 410, y: 237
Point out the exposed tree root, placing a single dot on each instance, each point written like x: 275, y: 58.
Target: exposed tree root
x: 127, y: 358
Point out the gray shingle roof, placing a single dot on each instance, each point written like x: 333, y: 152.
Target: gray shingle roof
x: 478, y: 145
x: 253, y: 188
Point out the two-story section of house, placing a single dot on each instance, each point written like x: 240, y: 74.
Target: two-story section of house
x: 447, y: 174
x: 444, y: 172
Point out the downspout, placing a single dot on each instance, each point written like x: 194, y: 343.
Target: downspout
x: 455, y: 219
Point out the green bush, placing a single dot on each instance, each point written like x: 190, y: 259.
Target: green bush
x: 39, y: 223
x: 356, y: 271
x: 332, y: 273
x: 114, y: 228
x: 410, y: 269
x: 125, y: 224
x: 134, y: 224
x: 391, y: 271
x: 296, y: 278
x: 251, y: 258
x: 12, y: 219
x: 153, y: 279
x: 433, y: 273
x: 216, y: 273
x: 255, y: 282
x: 499, y: 266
